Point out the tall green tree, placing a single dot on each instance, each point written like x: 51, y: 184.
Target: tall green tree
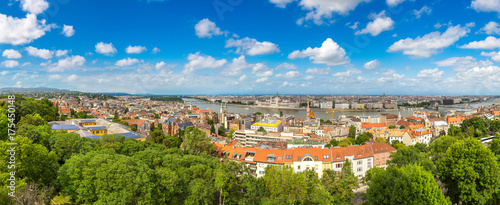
x: 410, y: 184
x: 477, y: 126
x: 341, y: 184
x: 352, y: 132
x: 196, y: 141
x: 411, y: 155
x: 440, y: 145
x: 106, y: 178
x: 470, y: 172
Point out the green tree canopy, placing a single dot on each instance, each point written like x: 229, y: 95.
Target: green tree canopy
x: 470, y: 172
x: 352, y: 132
x: 196, y: 141
x: 410, y: 184
x: 411, y: 155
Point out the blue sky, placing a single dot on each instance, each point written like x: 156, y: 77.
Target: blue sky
x: 252, y: 46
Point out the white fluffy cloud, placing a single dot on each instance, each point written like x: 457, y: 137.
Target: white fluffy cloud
x: 289, y: 75
x: 309, y: 77
x: 461, y: 64
x: 425, y: 9
x: 390, y: 78
x: 11, y: 54
x: 495, y: 56
x: 252, y: 47
x: 431, y: 73
x: 68, y: 31
x: 236, y: 67
x: 127, y: 62
x: 372, y: 65
x: 489, y: 43
x: 379, y: 24
x: 34, y: 6
x: 155, y: 50
x: 135, y: 49
x: 281, y: 3
x: 206, y: 29
x: 330, y: 53
x: 60, y: 53
x: 261, y: 70
x: 348, y: 73
x: 105, y: 48
x: 486, y: 5
x: 261, y: 80
x: 19, y: 31
x: 319, y: 10
x: 491, y: 28
x: 286, y: 66
x: 318, y: 71
x: 10, y: 63
x: 429, y: 44
x: 160, y: 65
x: 67, y: 63
x: 242, y: 78
x: 199, y: 61
x: 41, y: 53
x: 394, y: 2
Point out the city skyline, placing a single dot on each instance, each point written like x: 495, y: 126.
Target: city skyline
x: 298, y: 47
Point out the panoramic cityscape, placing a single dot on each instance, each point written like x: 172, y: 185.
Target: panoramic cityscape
x: 249, y: 102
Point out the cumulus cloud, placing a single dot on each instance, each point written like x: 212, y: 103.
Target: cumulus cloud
x: 41, y: 53
x: 372, y: 65
x: 344, y: 74
x: 60, y: 53
x: 486, y: 5
x: 309, y: 77
x: 321, y: 10
x: 394, y: 2
x: 423, y: 10
x: 252, y: 47
x: 379, y: 24
x: 495, y: 56
x: 206, y: 29
x: 242, y: 78
x: 261, y: 80
x: 353, y: 26
x: 20, y: 31
x: 10, y: 63
x: 135, y: 49
x: 286, y: 66
x: 199, y: 61
x: 489, y: 43
x: 281, y: 3
x: 289, y: 75
x: 67, y: 63
x: 105, y: 48
x: 390, y: 78
x: 127, y: 62
x: 261, y: 70
x: 11, y: 54
x: 160, y: 65
x: 68, y: 31
x: 429, y: 44
x: 34, y: 6
x: 155, y: 50
x: 330, y: 53
x: 431, y: 73
x: 491, y: 28
x: 318, y: 71
x: 287, y: 84
x: 236, y: 67
x: 461, y: 64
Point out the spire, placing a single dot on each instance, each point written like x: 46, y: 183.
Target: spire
x: 308, y: 110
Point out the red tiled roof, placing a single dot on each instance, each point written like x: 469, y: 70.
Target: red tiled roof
x: 381, y: 147
x: 367, y: 125
x: 360, y: 151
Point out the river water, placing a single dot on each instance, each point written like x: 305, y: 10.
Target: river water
x: 321, y: 113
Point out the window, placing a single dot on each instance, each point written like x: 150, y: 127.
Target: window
x: 360, y: 169
x: 298, y: 167
x: 270, y: 159
x: 280, y: 158
x: 377, y: 163
x: 326, y: 156
x: 307, y: 167
x: 288, y: 156
x: 261, y: 172
x: 377, y: 157
x: 309, y: 159
x: 316, y: 158
x: 298, y: 158
x: 316, y: 167
x: 383, y: 156
x: 360, y: 162
x: 383, y: 162
x: 339, y: 165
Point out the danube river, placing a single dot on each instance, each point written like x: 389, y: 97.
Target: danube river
x: 321, y: 113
